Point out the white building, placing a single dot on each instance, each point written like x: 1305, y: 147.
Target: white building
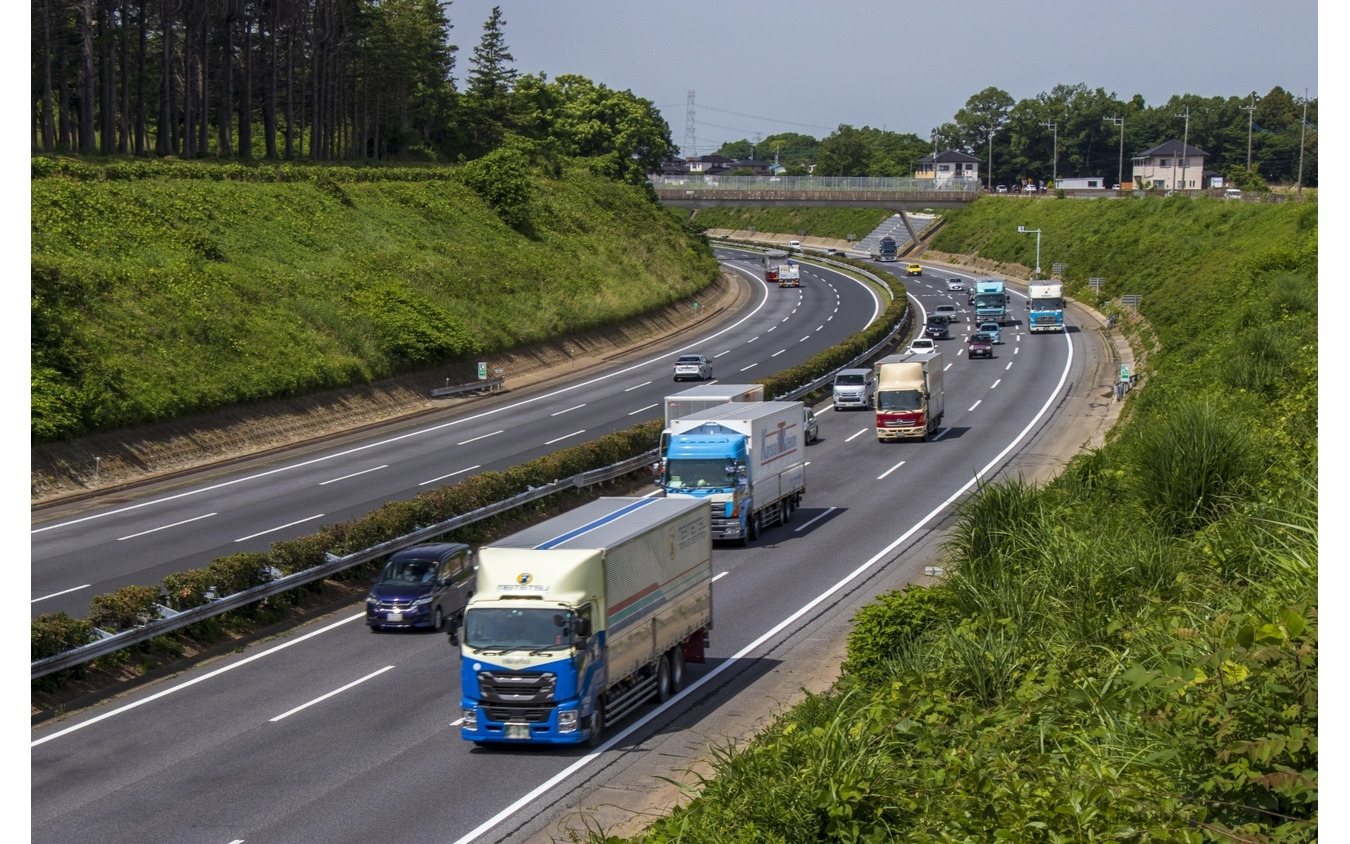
x: 1170, y: 165
x: 947, y: 167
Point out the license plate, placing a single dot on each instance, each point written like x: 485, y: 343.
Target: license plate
x: 395, y: 616
x: 518, y: 731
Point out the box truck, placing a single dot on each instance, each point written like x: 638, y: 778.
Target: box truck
x: 579, y: 620
x: 1045, y: 307
x: 696, y: 399
x: 909, y: 400
x: 744, y: 461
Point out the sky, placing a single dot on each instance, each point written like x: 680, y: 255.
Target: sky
x: 759, y: 68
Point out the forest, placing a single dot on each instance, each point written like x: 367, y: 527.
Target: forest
x: 374, y: 80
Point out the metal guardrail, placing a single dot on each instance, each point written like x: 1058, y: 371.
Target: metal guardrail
x: 700, y: 182
x: 111, y: 642
x: 492, y: 385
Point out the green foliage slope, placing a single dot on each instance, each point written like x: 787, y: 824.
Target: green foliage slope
x: 158, y: 292
x: 1128, y: 652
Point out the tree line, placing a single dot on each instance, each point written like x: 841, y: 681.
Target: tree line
x: 326, y: 80
x: 1072, y: 131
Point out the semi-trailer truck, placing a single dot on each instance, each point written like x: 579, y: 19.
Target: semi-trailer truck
x: 909, y: 399
x: 773, y: 261
x: 1045, y: 307
x: 991, y: 301
x: 582, y: 618
x: 744, y: 461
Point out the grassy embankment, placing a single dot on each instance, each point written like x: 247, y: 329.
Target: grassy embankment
x: 168, y: 289
x: 1130, y: 651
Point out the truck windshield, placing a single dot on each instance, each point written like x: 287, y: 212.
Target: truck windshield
x: 697, y: 474
x: 900, y: 400
x: 988, y: 300
x: 1054, y: 303
x: 496, y: 628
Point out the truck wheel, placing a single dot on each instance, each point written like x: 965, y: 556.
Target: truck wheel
x: 787, y: 509
x: 596, y: 737
x: 663, y: 681
x: 676, y: 658
x: 752, y: 527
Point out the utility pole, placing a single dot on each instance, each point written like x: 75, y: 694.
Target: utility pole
x: 1185, y: 140
x: 1251, y: 111
x: 1054, y: 127
x: 1120, y: 174
x: 1302, y: 136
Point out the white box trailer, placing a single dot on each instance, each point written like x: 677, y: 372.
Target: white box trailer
x: 580, y: 619
x: 705, y: 396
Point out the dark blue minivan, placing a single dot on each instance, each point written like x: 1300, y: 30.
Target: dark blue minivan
x: 423, y: 586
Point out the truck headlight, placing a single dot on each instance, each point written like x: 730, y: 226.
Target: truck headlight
x: 567, y: 720
x: 470, y: 715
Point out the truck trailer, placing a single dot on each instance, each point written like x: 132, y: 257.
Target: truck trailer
x: 744, y: 461
x: 1045, y: 306
x: 705, y: 396
x: 579, y: 620
x: 909, y: 401
x: 991, y: 301
x: 773, y: 261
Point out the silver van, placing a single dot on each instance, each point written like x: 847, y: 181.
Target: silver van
x: 854, y: 388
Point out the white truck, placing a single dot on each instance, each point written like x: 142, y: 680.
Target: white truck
x: 1045, y: 306
x: 743, y: 460
x: 909, y: 400
x: 582, y: 618
x: 697, y: 399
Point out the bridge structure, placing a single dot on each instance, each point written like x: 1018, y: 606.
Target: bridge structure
x: 900, y: 195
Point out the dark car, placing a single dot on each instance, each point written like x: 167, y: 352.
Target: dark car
x: 938, y: 327
x: 980, y: 345
x: 423, y: 586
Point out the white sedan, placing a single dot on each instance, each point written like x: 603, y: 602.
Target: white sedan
x: 955, y: 285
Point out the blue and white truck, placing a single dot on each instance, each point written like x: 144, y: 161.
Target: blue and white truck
x: 579, y: 620
x: 745, y: 461
x: 1045, y: 306
x: 991, y: 301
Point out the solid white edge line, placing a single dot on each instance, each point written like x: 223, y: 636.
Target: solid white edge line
x: 543, y: 787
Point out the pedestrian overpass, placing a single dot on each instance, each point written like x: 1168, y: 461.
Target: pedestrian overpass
x: 697, y: 191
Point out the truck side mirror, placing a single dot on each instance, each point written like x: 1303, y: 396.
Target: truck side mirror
x: 583, y: 628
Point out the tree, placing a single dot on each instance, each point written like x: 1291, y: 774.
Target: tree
x: 842, y: 153
x: 491, y: 80
x: 983, y: 116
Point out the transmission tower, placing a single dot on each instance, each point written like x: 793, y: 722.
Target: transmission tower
x: 690, y: 145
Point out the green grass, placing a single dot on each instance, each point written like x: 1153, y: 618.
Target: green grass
x: 168, y: 294
x: 1128, y: 652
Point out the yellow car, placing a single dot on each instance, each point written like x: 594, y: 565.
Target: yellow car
x: 914, y: 269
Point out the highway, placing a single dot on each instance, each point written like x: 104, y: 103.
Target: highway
x: 142, y: 536
x: 331, y: 734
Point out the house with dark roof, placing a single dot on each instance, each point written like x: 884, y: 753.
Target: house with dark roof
x: 1170, y: 165
x: 948, y: 166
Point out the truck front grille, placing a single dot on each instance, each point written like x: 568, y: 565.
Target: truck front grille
x: 516, y: 689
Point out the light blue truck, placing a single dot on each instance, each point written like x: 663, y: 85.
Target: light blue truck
x: 745, y: 461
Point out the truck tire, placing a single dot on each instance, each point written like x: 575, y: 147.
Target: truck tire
x: 676, y: 658
x: 597, y: 734
x: 664, y: 684
x: 752, y: 526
